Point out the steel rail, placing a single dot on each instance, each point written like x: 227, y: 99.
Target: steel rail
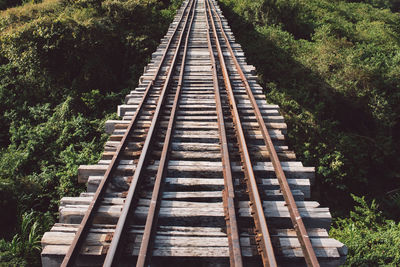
x: 301, y: 232
x: 152, y: 216
x: 83, y: 229
x: 263, y: 237
x: 232, y: 229
x: 110, y: 259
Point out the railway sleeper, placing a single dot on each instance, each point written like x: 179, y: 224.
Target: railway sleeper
x: 198, y: 155
x: 191, y: 193
x: 185, y: 148
x: 243, y: 102
x: 193, y: 146
x: 206, y: 136
x: 241, y: 106
x: 206, y: 184
x: 192, y: 221
x: 203, y: 169
x: 178, y: 212
x: 184, y: 243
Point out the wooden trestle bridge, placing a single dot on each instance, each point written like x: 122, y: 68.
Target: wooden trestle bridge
x: 197, y: 172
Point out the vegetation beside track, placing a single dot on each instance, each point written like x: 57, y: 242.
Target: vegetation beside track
x: 333, y: 67
x: 64, y: 67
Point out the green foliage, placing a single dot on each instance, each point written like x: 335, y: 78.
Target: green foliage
x: 23, y: 248
x: 371, y: 240
x: 392, y: 4
x: 64, y: 66
x: 333, y: 67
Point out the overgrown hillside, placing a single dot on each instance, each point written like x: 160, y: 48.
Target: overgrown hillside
x: 64, y: 66
x: 334, y: 68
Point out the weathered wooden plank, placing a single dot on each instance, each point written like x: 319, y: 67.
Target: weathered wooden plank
x: 293, y: 169
x: 289, y: 246
x: 194, y: 181
x: 207, y: 184
x: 199, y: 213
x: 84, y: 171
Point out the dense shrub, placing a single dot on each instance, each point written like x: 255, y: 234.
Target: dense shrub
x: 334, y: 69
x: 392, y: 4
x: 64, y: 66
x: 371, y: 240
x: 332, y: 66
x: 23, y: 249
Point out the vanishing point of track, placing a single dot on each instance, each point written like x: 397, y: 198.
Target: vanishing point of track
x: 197, y: 171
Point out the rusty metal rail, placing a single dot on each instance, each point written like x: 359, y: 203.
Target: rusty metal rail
x: 152, y: 216
x: 221, y: 69
x: 74, y: 249
x: 123, y: 219
x: 297, y: 221
x: 263, y: 237
x: 235, y: 252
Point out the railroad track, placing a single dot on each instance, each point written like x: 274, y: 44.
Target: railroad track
x: 197, y: 171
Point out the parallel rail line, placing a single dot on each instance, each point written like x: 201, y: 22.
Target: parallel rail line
x: 155, y: 197
x: 266, y: 246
